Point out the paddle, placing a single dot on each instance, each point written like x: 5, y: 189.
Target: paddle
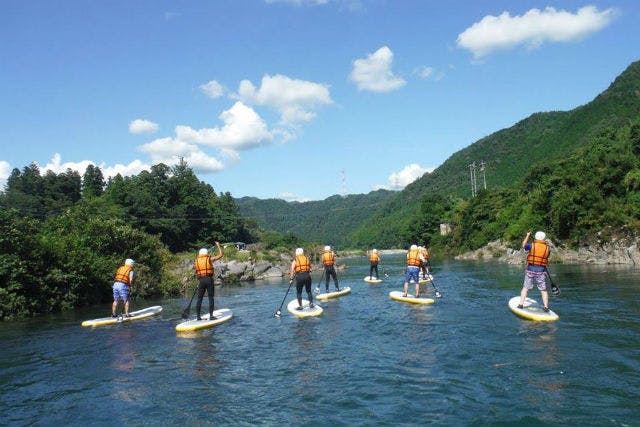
x: 185, y: 313
x: 433, y: 283
x: 278, y: 311
x: 384, y: 272
x: 317, y: 289
x: 554, y: 289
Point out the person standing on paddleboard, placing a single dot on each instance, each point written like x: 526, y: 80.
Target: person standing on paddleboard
x: 123, y: 280
x: 301, y: 270
x: 537, y: 262
x: 204, y: 270
x: 328, y: 260
x: 425, y: 263
x: 414, y: 262
x: 374, y: 259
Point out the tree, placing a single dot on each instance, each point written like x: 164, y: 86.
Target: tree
x: 92, y: 182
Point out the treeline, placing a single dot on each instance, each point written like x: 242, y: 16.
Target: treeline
x: 62, y: 236
x: 593, y: 194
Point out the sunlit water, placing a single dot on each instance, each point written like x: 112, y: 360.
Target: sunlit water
x: 465, y: 361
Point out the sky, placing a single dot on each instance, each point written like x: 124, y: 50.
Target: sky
x: 292, y: 99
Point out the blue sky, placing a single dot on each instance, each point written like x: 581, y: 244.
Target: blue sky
x: 292, y: 99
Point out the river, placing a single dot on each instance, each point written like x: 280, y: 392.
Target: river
x: 464, y: 361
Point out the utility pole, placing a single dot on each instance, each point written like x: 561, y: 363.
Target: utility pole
x: 472, y: 172
x: 484, y: 177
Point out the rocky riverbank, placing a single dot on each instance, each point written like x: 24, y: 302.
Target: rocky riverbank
x: 614, y: 251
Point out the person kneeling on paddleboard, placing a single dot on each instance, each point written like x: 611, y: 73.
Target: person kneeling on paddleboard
x: 414, y: 262
x: 537, y: 262
x: 204, y: 270
x: 123, y: 280
x: 300, y: 269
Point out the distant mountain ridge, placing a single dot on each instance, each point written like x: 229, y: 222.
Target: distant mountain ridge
x: 510, y: 153
x: 329, y: 221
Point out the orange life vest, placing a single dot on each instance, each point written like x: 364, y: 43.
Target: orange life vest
x: 413, y: 258
x: 539, y: 253
x: 328, y: 258
x: 373, y: 257
x: 203, y: 266
x: 425, y: 253
x: 122, y: 274
x: 302, y: 264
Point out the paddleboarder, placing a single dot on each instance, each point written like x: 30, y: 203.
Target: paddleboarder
x: 537, y: 262
x: 374, y: 259
x: 204, y: 270
x: 328, y: 260
x: 300, y: 269
x: 414, y: 262
x: 124, y: 278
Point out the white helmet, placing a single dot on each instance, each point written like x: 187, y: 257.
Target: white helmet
x: 374, y: 251
x: 129, y: 262
x: 540, y: 235
x: 327, y: 248
x: 299, y: 251
x: 414, y: 247
x: 203, y: 251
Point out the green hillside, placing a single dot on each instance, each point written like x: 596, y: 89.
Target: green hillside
x: 509, y: 154
x: 328, y: 221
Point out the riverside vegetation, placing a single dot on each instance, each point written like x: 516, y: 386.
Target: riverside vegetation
x: 575, y: 174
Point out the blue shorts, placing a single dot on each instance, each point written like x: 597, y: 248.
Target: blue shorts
x: 412, y: 272
x: 120, y: 291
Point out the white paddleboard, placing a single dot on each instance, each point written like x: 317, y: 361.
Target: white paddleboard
x: 135, y: 315
x: 531, y: 310
x: 425, y: 279
x: 372, y: 279
x: 306, y: 310
x: 335, y: 294
x: 399, y: 296
x: 219, y: 316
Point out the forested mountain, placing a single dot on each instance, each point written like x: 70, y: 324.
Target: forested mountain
x: 327, y: 221
x: 510, y: 155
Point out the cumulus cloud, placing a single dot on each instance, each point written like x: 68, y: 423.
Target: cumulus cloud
x: 291, y: 197
x: 169, y: 150
x: 243, y: 128
x: 212, y: 89
x: 57, y: 166
x: 5, y: 171
x: 294, y: 99
x: 374, y: 74
x: 138, y: 126
x: 399, y: 180
x: 493, y: 33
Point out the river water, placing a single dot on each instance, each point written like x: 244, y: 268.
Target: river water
x: 465, y: 361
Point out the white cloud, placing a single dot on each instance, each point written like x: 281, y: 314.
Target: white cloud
x: 243, y: 128
x: 532, y: 29
x: 291, y: 197
x: 294, y: 99
x: 56, y: 166
x: 212, y: 89
x: 374, y: 74
x: 170, y: 150
x: 424, y: 71
x: 142, y: 126
x: 5, y: 171
x: 399, y: 180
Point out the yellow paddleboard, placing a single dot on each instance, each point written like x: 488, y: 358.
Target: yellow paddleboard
x: 371, y: 279
x: 219, y: 316
x: 399, y: 296
x: 531, y: 310
x: 135, y: 315
x: 329, y: 295
x: 306, y: 311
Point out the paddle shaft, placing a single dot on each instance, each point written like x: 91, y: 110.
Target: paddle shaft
x: 555, y: 290
x: 185, y: 313
x: 279, y: 310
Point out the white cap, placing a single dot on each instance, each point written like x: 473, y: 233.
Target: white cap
x: 129, y: 262
x: 203, y: 251
x: 374, y: 251
x: 414, y: 247
x: 299, y: 251
x: 327, y: 248
x: 540, y: 235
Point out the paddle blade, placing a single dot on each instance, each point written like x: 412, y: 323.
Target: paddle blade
x: 438, y: 294
x: 278, y: 313
x: 185, y: 314
x: 555, y: 290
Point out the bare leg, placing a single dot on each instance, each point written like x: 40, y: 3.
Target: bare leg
x: 114, y: 307
x: 126, y: 307
x: 523, y: 295
x: 417, y: 288
x: 406, y: 288
x: 545, y: 298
